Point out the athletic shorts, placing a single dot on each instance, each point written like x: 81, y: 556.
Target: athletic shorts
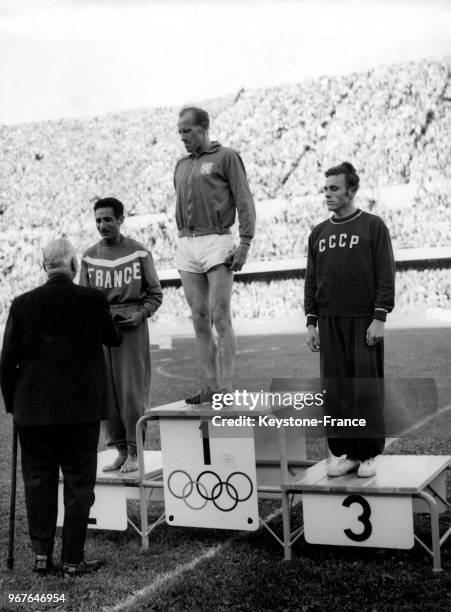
x: 199, y: 254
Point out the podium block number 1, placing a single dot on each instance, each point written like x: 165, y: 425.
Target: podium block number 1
x: 380, y: 521
x: 209, y: 480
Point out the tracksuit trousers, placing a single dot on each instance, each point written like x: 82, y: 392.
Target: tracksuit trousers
x: 45, y: 449
x: 129, y: 377
x: 352, y: 376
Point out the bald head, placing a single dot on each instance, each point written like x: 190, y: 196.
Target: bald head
x: 197, y: 116
x: 193, y: 127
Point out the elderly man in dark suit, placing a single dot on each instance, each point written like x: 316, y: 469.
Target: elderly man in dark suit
x: 52, y: 374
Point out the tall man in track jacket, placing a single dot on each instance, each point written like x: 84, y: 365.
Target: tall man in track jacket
x: 211, y: 187
x: 349, y: 289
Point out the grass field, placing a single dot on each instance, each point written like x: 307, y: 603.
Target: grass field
x: 208, y: 570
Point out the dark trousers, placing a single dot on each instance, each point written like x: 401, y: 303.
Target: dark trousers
x: 45, y: 449
x: 352, y: 376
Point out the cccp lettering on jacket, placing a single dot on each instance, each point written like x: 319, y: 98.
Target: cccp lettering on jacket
x: 338, y: 241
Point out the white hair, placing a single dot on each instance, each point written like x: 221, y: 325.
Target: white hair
x: 58, y: 254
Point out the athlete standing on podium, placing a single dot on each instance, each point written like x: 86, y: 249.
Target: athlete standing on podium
x: 349, y: 289
x: 124, y: 270
x: 211, y: 186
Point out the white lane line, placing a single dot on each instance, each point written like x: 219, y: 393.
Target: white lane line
x: 258, y: 350
x: 168, y: 577
x: 426, y: 420
x: 164, y: 579
x: 161, y: 370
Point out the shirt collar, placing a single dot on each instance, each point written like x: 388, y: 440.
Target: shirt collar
x: 214, y: 146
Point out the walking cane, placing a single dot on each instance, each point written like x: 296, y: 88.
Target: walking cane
x: 12, y: 504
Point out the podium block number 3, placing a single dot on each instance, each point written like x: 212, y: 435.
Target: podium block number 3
x: 380, y: 521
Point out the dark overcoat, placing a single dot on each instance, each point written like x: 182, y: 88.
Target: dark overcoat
x: 52, y: 368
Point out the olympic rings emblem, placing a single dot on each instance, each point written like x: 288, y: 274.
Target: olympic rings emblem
x: 209, y: 487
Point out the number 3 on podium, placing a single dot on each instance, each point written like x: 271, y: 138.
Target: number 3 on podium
x: 355, y: 520
x: 364, y: 518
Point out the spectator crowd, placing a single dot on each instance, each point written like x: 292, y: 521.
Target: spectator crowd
x: 276, y: 299
x: 393, y: 123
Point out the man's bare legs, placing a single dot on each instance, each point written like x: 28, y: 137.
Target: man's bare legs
x: 208, y: 296
x: 196, y: 290
x: 220, y: 280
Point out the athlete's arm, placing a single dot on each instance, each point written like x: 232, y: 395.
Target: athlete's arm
x: 242, y: 197
x: 153, y: 298
x: 310, y: 305
x: 84, y: 277
x: 313, y: 338
x: 384, y: 269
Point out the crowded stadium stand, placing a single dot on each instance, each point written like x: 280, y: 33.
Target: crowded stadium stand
x: 393, y: 123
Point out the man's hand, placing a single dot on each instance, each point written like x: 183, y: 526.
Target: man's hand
x: 313, y: 338
x: 236, y: 260
x: 375, y: 332
x: 133, y: 320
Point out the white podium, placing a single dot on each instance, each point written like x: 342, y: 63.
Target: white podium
x: 112, y: 490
